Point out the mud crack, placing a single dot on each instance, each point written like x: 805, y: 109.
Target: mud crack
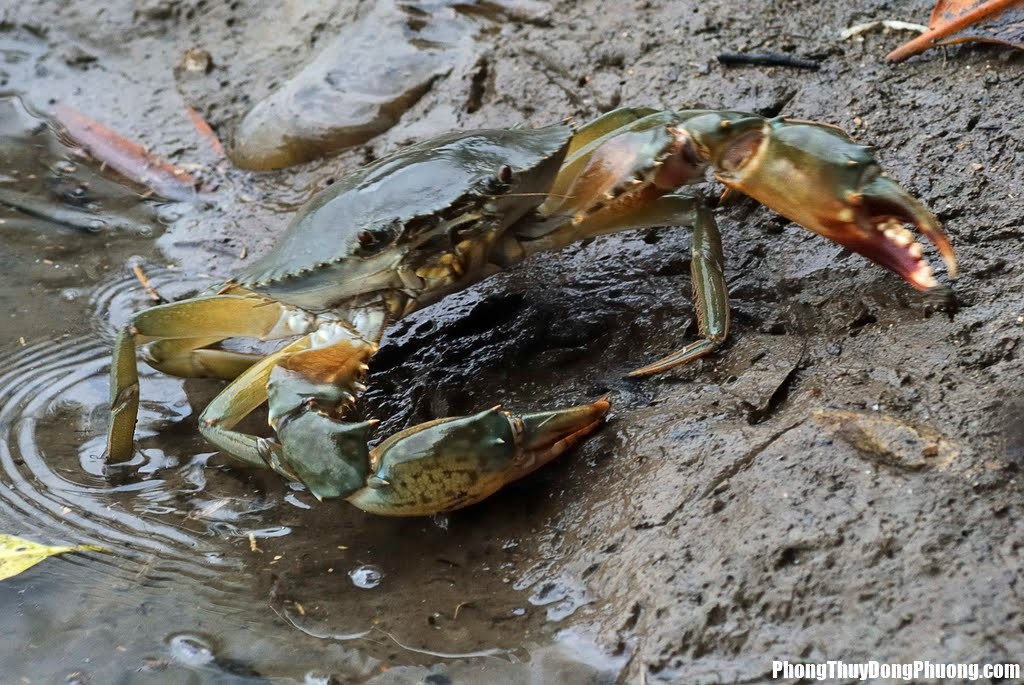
x: 744, y: 462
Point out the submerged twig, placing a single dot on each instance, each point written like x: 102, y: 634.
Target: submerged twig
x: 146, y: 285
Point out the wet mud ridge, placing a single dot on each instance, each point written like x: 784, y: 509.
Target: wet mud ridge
x: 841, y: 481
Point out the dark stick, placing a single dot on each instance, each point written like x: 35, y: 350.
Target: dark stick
x: 769, y: 59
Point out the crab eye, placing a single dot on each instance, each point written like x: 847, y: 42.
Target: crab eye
x: 739, y: 152
x: 365, y: 238
x: 505, y: 174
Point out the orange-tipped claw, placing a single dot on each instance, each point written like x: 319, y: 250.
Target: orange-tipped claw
x: 451, y: 463
x: 818, y: 177
x: 885, y: 207
x: 549, y: 434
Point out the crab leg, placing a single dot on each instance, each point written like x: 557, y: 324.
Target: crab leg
x: 818, y: 177
x: 710, y: 292
x: 310, y: 385
x: 238, y: 400
x: 180, y: 330
x: 437, y: 466
x: 589, y: 138
x: 710, y: 296
x: 193, y: 358
x: 622, y: 168
x: 556, y: 233
x: 124, y: 398
x: 179, y: 351
x: 608, y: 122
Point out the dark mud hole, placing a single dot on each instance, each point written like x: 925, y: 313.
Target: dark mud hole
x: 842, y: 482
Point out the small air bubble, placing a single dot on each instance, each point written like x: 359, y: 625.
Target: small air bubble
x: 366, y: 577
x: 190, y: 650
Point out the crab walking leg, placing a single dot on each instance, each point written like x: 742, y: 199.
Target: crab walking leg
x: 238, y: 400
x: 310, y: 385
x: 451, y: 463
x: 181, y: 331
x: 124, y: 398
x: 710, y: 296
x: 177, y: 330
x: 193, y: 358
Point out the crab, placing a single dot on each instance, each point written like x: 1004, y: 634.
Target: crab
x: 440, y: 215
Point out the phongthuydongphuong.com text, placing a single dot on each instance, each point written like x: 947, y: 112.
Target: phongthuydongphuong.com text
x: 874, y: 670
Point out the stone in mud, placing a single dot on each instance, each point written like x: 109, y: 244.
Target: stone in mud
x: 363, y: 81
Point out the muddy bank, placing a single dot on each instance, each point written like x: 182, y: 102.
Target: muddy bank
x: 842, y: 481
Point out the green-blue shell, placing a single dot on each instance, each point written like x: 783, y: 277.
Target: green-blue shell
x: 387, y: 203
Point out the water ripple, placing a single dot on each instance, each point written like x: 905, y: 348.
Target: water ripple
x: 53, y: 483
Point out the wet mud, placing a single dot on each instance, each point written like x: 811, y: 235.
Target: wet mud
x: 842, y: 481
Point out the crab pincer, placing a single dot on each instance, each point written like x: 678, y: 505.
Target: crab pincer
x: 451, y: 463
x: 815, y: 175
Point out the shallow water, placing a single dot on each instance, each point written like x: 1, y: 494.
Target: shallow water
x: 210, y: 569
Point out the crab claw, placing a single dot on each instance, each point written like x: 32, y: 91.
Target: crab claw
x: 451, y: 463
x: 817, y: 176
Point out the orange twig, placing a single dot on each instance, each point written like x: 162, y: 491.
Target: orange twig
x: 146, y: 285
x: 938, y: 32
